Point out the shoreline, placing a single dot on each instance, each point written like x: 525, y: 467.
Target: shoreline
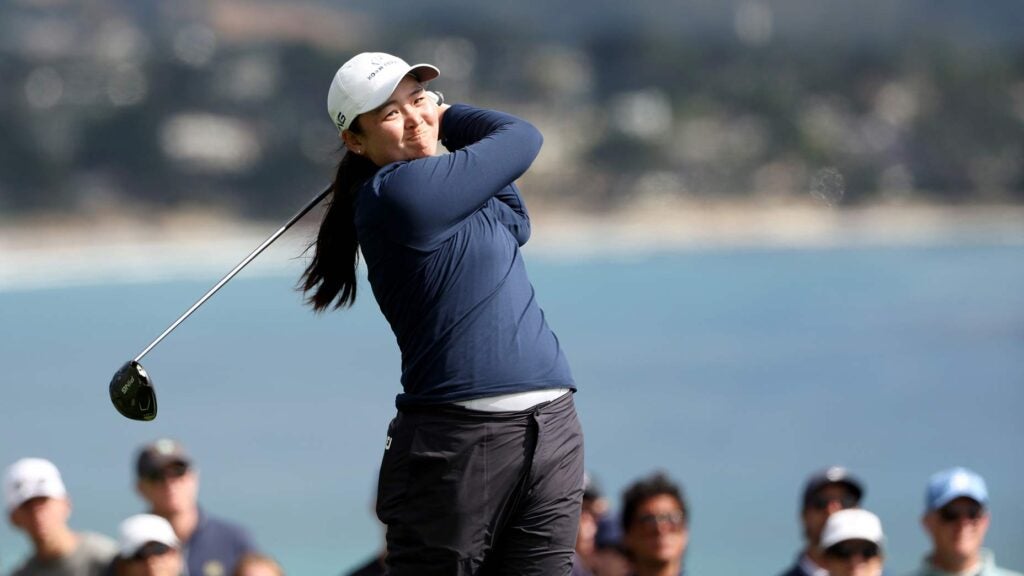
x: 686, y: 226
x: 200, y: 244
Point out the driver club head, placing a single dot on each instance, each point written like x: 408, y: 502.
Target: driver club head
x: 132, y: 393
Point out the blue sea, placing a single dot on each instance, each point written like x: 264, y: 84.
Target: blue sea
x: 737, y: 371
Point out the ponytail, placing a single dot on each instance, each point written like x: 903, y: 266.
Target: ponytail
x: 331, y: 275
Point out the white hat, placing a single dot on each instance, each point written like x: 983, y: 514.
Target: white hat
x: 31, y: 478
x: 852, y: 524
x: 366, y: 81
x: 141, y: 529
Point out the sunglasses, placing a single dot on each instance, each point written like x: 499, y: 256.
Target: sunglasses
x: 823, y: 502
x: 168, y: 472
x: 845, y: 551
x: 674, y: 520
x: 150, y: 550
x: 957, y: 513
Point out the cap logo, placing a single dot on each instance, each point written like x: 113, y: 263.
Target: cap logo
x: 213, y: 568
x: 960, y: 481
x: 835, y: 473
x: 165, y: 446
x: 340, y: 120
x: 380, y: 66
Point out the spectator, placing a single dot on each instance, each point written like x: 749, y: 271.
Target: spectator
x: 592, y: 510
x: 609, y: 557
x: 825, y: 493
x: 254, y: 564
x: 956, y: 518
x: 168, y: 482
x: 147, y: 546
x: 852, y: 544
x: 38, y: 505
x: 655, y: 524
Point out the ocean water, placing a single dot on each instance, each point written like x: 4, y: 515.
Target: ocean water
x: 736, y: 371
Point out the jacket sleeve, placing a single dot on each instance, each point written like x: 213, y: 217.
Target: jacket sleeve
x: 425, y: 199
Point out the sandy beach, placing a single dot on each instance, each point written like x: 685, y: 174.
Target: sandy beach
x: 199, y: 244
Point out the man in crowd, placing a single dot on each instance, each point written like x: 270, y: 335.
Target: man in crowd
x: 956, y: 518
x: 609, y: 558
x: 592, y: 509
x: 147, y: 546
x: 655, y: 523
x: 825, y: 493
x: 168, y: 482
x: 851, y: 544
x: 38, y: 505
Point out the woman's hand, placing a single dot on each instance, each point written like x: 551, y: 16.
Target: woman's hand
x: 441, y: 108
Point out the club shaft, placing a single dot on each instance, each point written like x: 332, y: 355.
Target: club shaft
x: 236, y: 270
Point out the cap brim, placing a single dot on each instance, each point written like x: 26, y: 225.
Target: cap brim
x: 46, y: 493
x: 855, y: 538
x: 853, y: 485
x: 422, y: 73
x: 953, y: 495
x: 156, y: 465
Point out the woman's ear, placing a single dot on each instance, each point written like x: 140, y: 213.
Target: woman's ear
x: 353, y: 142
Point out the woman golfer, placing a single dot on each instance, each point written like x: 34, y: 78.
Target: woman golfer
x: 482, y: 470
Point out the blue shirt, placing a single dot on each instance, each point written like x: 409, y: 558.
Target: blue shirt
x: 441, y: 238
x: 215, y: 547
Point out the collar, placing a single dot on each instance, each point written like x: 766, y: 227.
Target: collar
x: 986, y: 563
x: 810, y: 567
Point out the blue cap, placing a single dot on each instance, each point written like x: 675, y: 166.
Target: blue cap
x: 948, y: 485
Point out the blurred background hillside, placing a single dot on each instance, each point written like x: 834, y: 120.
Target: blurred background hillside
x: 136, y: 106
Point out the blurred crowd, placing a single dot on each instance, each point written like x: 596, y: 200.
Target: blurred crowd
x: 651, y: 534
x: 176, y: 537
x: 648, y: 536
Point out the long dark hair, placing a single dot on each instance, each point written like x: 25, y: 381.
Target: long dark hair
x: 331, y: 275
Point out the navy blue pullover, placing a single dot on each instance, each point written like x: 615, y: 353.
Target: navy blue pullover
x: 441, y: 237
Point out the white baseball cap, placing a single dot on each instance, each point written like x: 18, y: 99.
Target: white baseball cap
x: 141, y: 529
x: 31, y: 478
x: 852, y: 524
x: 366, y: 81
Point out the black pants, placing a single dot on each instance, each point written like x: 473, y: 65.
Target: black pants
x: 476, y: 493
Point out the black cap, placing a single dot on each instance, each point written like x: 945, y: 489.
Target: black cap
x: 155, y: 456
x: 832, y: 475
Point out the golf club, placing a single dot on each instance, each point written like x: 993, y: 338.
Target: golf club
x: 131, y: 389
